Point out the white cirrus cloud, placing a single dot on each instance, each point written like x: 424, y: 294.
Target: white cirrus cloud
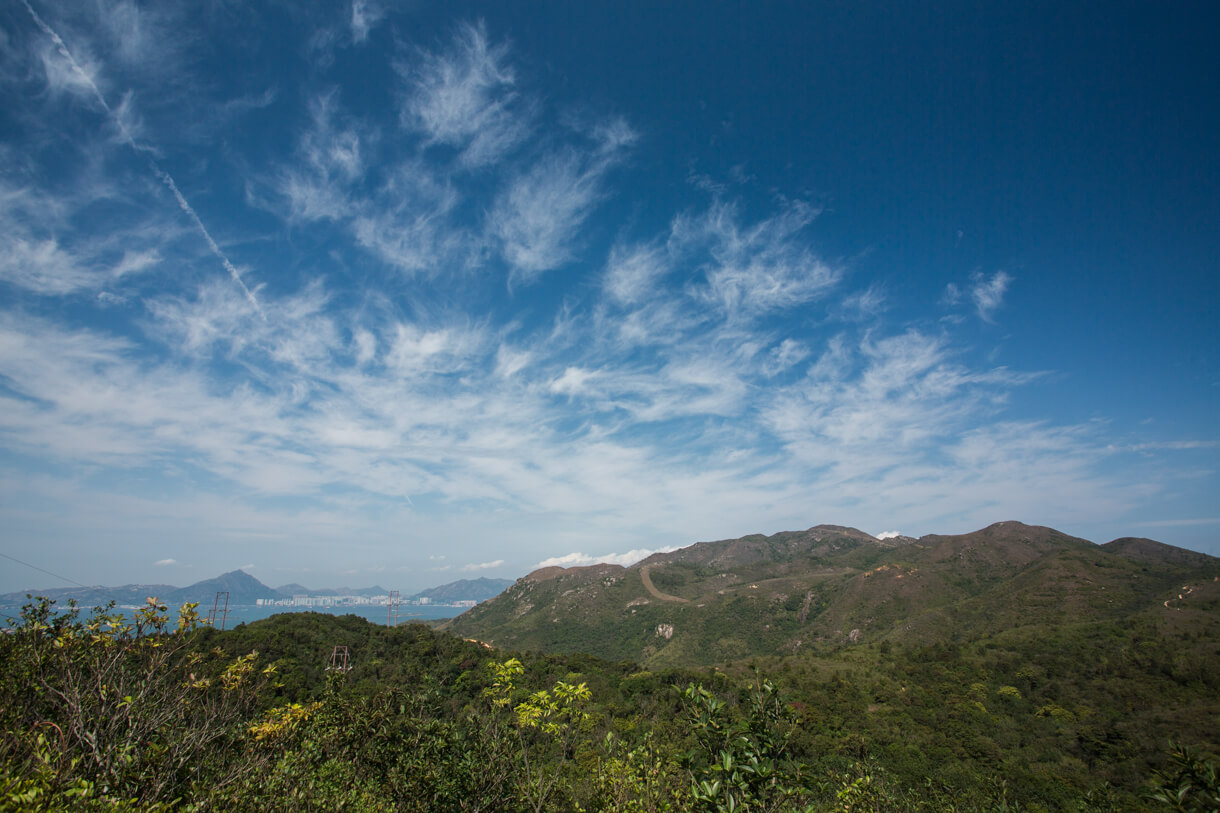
x: 784, y: 356
x: 633, y: 272
x: 464, y: 98
x: 43, y: 267
x: 752, y: 269
x: 407, y: 224
x: 365, y: 16
x: 332, y: 148
x: 574, y: 381
x: 537, y: 218
x: 985, y: 293
x: 864, y: 305
x: 988, y: 293
x: 509, y: 361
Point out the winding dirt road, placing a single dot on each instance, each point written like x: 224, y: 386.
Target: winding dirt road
x: 653, y: 591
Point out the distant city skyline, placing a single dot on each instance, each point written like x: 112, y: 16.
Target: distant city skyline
x: 378, y: 293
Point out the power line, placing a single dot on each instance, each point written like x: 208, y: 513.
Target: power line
x: 42, y: 570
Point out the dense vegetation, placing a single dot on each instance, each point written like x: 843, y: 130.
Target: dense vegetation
x: 101, y: 713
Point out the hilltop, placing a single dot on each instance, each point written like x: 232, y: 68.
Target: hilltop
x: 830, y: 585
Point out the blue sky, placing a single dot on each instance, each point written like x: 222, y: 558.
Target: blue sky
x: 402, y: 293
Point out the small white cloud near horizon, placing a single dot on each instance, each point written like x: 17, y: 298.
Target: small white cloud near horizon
x: 165, y: 562
x: 889, y: 534
x: 583, y: 559
x: 483, y: 565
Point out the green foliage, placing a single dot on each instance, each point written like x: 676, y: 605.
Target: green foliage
x: 1189, y: 785
x: 106, y: 713
x: 742, y: 765
x: 109, y: 710
x: 643, y: 778
x: 547, y: 724
x: 392, y: 751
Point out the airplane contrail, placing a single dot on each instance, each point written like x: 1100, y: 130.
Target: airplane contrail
x: 161, y: 174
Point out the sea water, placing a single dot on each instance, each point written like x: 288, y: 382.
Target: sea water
x: 245, y: 613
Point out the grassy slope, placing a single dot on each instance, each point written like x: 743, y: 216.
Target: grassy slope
x: 766, y: 596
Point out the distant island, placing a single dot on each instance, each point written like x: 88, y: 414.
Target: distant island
x: 464, y: 593
x: 244, y: 589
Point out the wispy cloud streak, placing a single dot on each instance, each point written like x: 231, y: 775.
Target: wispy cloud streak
x: 207, y: 236
x: 161, y: 174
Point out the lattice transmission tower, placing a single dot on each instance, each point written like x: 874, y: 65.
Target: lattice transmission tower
x: 220, y: 609
x: 391, y: 615
x: 339, y: 660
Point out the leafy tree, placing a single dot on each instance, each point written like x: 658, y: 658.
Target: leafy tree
x: 645, y: 778
x: 110, y: 709
x: 743, y: 765
x: 547, y: 723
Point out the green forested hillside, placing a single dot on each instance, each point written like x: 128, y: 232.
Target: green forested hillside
x: 1012, y: 669
x: 717, y: 602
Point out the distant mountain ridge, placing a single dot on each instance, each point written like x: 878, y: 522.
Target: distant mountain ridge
x: 479, y: 589
x: 240, y: 585
x: 715, y: 602
x: 242, y: 589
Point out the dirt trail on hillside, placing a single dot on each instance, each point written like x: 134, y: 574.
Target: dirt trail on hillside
x: 653, y: 591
